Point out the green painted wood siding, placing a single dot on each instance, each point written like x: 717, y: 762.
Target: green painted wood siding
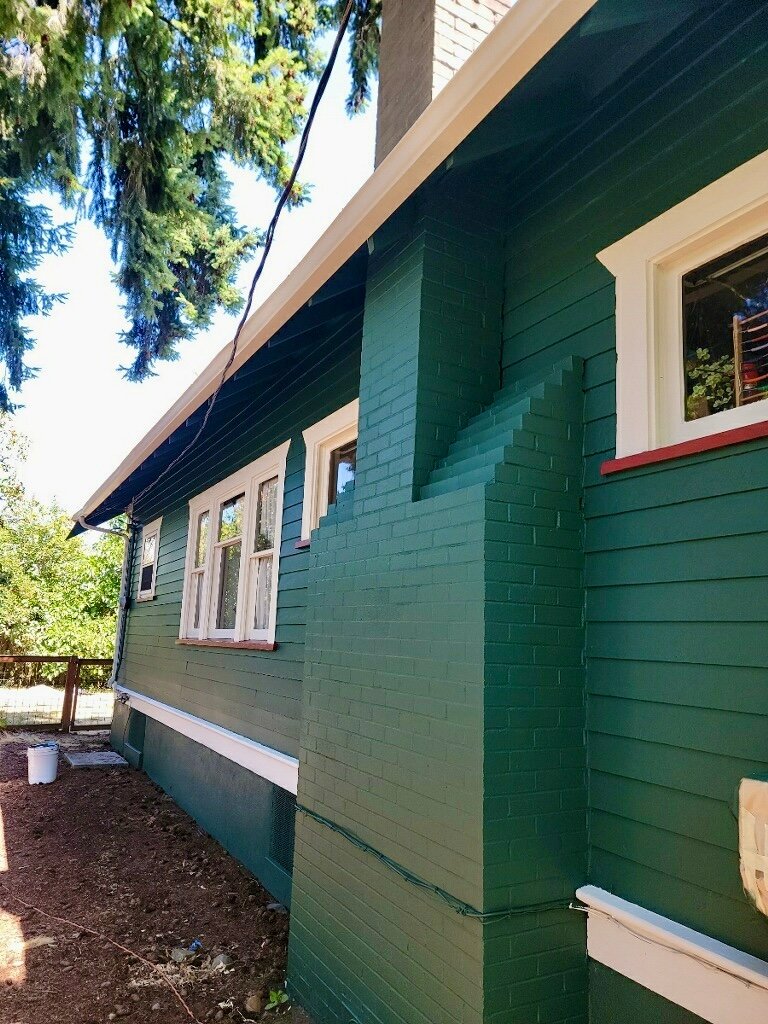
x: 257, y: 694
x: 676, y: 554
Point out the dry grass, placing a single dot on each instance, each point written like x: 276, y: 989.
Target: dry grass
x: 66, y: 740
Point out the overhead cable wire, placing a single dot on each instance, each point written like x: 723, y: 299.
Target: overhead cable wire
x: 268, y: 239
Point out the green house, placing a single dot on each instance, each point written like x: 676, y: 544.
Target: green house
x: 453, y: 624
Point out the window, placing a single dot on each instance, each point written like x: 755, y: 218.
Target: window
x: 230, y: 591
x: 331, y: 464
x: 692, y: 316
x: 227, y: 558
x: 281, y: 842
x: 150, y: 545
x: 197, y: 572
x: 263, y: 555
x: 341, y: 470
x: 725, y: 331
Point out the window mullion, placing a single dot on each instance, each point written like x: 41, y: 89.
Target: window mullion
x: 205, y: 607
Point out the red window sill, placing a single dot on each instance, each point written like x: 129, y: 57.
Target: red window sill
x: 231, y: 645
x: 300, y: 544
x: 678, y: 451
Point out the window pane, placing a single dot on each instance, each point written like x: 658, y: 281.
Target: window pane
x: 265, y: 515
x: 229, y: 575
x: 342, y: 471
x: 197, y: 598
x: 725, y: 316
x: 148, y: 551
x: 147, y: 573
x: 201, y: 543
x: 263, y: 593
x: 231, y: 518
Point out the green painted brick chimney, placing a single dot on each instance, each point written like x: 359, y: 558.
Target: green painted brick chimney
x: 442, y: 719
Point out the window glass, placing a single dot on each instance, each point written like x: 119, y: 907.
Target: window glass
x: 266, y: 515
x: 229, y: 577
x: 231, y: 518
x: 197, y: 598
x: 147, y: 575
x: 148, y: 561
x: 148, y: 554
x: 201, y: 543
x: 341, y: 478
x: 725, y: 321
x: 263, y: 593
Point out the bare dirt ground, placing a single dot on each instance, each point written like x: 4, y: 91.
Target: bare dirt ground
x: 106, y: 849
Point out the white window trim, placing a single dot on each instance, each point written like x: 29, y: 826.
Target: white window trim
x: 649, y: 265
x: 687, y: 967
x: 151, y: 529
x: 245, y: 481
x: 320, y: 440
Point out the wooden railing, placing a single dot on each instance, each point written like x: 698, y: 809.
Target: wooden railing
x: 750, y: 364
x: 63, y: 693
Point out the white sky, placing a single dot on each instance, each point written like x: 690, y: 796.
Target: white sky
x: 80, y: 415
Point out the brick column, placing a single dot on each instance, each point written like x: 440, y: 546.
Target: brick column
x: 442, y: 700
x: 430, y: 356
x: 423, y: 44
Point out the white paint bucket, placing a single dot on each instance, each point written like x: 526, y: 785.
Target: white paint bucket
x: 42, y: 763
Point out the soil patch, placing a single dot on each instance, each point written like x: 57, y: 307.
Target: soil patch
x: 110, y: 851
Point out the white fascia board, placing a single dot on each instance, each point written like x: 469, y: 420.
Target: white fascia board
x: 523, y: 36
x: 718, y: 982
x: 268, y: 763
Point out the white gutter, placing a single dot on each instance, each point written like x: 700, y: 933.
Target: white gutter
x: 523, y: 36
x: 718, y: 982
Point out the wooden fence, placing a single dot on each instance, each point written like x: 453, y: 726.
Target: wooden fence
x: 62, y: 693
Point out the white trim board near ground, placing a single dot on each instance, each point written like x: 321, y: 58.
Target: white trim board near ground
x: 270, y: 764
x: 718, y: 982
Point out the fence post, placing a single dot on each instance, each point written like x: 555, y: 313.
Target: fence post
x: 70, y: 688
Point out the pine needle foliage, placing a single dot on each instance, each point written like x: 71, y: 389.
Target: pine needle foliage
x: 127, y: 111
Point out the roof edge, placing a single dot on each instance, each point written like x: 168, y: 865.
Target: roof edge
x: 524, y: 35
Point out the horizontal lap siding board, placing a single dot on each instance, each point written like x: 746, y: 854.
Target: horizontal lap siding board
x: 676, y: 555
x: 256, y: 694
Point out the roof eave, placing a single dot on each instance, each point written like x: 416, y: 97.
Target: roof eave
x: 523, y: 36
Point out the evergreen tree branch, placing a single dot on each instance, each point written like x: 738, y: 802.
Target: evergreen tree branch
x: 128, y: 111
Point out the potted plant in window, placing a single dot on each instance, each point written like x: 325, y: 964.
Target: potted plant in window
x: 711, y: 384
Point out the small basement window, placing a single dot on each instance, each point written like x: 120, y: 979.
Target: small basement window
x: 692, y: 318
x: 281, y: 841
x: 230, y: 577
x: 150, y: 548
x: 331, y: 464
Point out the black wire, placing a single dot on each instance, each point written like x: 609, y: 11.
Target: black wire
x: 268, y: 238
x: 458, y: 906
x: 125, y: 598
